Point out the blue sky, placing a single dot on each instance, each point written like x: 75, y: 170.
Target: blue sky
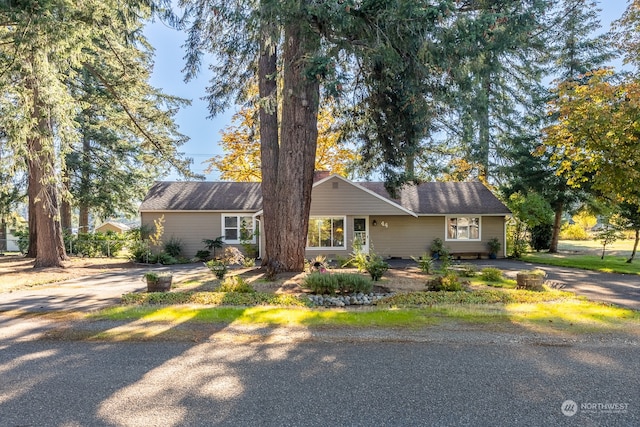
x: 204, y: 133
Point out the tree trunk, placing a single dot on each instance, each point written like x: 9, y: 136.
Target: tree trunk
x: 43, y: 199
x: 32, y: 251
x: 296, y: 160
x: 83, y: 219
x: 269, y: 143
x: 65, y: 205
x: 635, y: 247
x: 557, y: 225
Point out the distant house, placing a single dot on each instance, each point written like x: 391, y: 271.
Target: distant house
x: 115, y: 227
x: 8, y: 238
x: 465, y: 215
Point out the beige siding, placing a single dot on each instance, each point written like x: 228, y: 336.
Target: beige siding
x: 404, y: 237
x: 336, y: 196
x: 190, y: 227
x: 407, y: 236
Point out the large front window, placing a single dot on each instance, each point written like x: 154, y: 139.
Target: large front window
x: 463, y: 228
x: 326, y: 233
x: 237, y: 228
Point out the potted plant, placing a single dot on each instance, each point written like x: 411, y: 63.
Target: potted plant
x: 494, y: 247
x: 218, y: 267
x: 158, y: 282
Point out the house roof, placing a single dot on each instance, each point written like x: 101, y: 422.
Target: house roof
x: 121, y: 226
x: 429, y: 198
x: 203, y: 196
x: 442, y: 198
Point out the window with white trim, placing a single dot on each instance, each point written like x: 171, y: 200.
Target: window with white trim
x: 326, y: 232
x: 463, y: 228
x: 237, y: 228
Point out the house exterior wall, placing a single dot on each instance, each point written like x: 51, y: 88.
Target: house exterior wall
x: 338, y: 197
x: 189, y: 227
x: 406, y: 236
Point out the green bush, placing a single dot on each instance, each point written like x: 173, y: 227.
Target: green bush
x: 321, y: 283
x: 449, y: 282
x: 540, y: 236
x: 203, y: 255
x: 345, y: 283
x: 491, y: 274
x: 218, y: 267
x: 173, y: 247
x: 236, y: 284
x: 425, y: 262
x: 164, y: 259
x: 139, y: 251
x: 376, y: 267
x: 467, y: 270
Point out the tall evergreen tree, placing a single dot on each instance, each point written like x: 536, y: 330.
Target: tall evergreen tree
x: 497, y: 73
x: 43, y: 47
x: 574, y: 51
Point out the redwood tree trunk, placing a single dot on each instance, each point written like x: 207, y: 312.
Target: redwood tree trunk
x: 32, y: 251
x: 290, y: 204
x: 269, y: 143
x: 44, y: 216
x: 557, y: 225
x: 299, y: 135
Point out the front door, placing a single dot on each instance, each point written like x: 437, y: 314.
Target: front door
x: 361, y: 233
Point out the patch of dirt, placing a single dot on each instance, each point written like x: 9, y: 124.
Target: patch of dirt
x: 17, y: 272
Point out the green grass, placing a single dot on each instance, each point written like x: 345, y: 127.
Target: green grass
x: 550, y: 311
x: 610, y: 264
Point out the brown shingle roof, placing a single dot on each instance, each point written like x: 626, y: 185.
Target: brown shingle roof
x: 429, y: 198
x: 205, y: 195
x: 442, y: 198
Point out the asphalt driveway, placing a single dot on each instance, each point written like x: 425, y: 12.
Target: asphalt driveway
x: 95, y: 292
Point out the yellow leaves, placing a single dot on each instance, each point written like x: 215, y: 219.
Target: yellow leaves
x: 241, y: 145
x: 595, y: 136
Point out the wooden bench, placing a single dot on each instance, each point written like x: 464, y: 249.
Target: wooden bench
x: 469, y: 255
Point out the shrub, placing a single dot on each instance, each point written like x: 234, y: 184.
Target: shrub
x: 449, y: 282
x: 345, y: 283
x: 139, y: 251
x: 232, y: 255
x: 173, y: 247
x: 352, y: 283
x: 165, y: 259
x: 540, y: 237
x: 425, y: 262
x: 491, y: 274
x: 573, y: 232
x: 236, y: 284
x: 376, y: 266
x: 218, y: 267
x: 321, y: 283
x: 467, y: 270
x: 203, y: 255
x: 249, y: 262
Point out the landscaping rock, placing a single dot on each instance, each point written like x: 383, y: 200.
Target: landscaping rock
x: 347, y: 300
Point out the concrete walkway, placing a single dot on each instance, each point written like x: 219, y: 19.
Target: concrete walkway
x: 87, y: 293
x: 90, y: 293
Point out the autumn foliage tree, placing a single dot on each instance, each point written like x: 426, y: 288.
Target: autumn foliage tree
x: 241, y: 145
x: 597, y: 136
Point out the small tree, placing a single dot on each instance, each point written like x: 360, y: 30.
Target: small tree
x: 528, y: 212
